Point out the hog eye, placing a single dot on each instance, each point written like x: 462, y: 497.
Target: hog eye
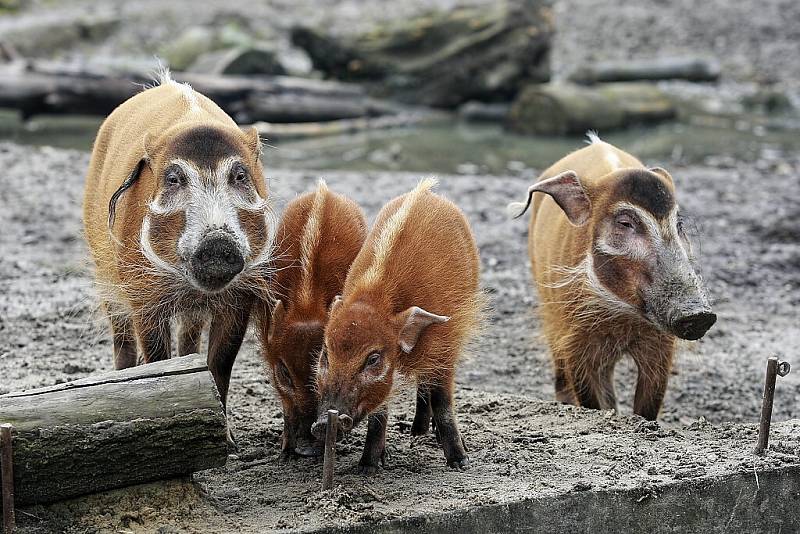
x: 173, y: 178
x: 284, y: 376
x: 625, y: 221
x: 238, y: 174
x: 372, y: 359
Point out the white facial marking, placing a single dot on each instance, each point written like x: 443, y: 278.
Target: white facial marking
x: 209, y: 203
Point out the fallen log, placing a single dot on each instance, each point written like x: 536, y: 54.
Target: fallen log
x: 694, y: 69
x: 272, y: 131
x: 442, y: 58
x: 36, y: 88
x: 115, y: 429
x: 562, y: 109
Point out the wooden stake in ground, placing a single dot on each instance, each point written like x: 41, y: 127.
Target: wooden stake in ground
x: 7, y: 478
x: 329, y: 464
x: 775, y: 368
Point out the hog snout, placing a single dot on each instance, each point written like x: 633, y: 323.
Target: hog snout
x: 216, y: 262
x: 693, y: 325
x: 320, y: 427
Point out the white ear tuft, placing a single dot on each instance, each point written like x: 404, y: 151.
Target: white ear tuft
x: 516, y: 209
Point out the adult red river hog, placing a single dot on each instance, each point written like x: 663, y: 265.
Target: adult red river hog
x: 410, y: 302
x: 615, y: 274
x: 179, y: 226
x: 318, y: 238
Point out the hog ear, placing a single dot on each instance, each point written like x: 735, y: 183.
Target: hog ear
x: 126, y: 184
x: 662, y: 172
x: 253, y: 140
x: 414, y: 321
x: 567, y: 191
x: 277, y: 317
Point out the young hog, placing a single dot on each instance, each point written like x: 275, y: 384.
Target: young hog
x: 178, y: 224
x: 409, y: 304
x: 615, y: 274
x: 318, y: 238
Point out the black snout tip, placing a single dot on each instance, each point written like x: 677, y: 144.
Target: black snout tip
x: 693, y: 327
x: 319, y: 428
x: 216, y: 262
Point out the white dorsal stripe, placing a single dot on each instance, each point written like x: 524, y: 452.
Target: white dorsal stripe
x: 310, y: 240
x: 391, y: 230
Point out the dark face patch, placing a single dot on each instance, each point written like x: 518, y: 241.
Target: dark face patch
x: 645, y: 189
x: 205, y: 146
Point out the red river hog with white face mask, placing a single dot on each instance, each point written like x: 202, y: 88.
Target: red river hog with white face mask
x: 410, y: 303
x: 615, y: 274
x: 179, y: 226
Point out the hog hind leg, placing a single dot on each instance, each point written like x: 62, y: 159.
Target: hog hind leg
x: 424, y: 411
x: 444, y: 418
x: 125, y: 353
x: 375, y: 443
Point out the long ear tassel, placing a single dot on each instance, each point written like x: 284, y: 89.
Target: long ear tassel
x: 516, y: 209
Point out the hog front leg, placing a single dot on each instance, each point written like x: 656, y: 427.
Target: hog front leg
x: 189, y: 334
x: 125, y: 354
x: 375, y: 443
x: 447, y: 426
x: 424, y: 412
x: 155, y: 339
x: 224, y: 341
x: 654, y: 363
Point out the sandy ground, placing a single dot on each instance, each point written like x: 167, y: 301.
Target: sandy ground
x: 746, y: 214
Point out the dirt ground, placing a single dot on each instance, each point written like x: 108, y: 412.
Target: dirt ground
x: 746, y: 215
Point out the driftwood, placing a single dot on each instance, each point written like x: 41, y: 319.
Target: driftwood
x: 442, y: 59
x: 116, y: 429
x: 694, y: 69
x: 563, y: 109
x: 57, y: 88
x: 272, y: 131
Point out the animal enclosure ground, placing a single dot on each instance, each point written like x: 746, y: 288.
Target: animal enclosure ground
x: 748, y: 220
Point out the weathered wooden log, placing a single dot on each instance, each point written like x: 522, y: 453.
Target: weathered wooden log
x: 442, y: 59
x: 695, y: 69
x: 484, y: 112
x: 56, y: 88
x: 307, y: 130
x: 563, y: 109
x: 146, y: 423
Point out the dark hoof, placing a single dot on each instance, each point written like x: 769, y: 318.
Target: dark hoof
x: 461, y: 464
x: 309, y: 451
x: 420, y: 429
x: 368, y: 470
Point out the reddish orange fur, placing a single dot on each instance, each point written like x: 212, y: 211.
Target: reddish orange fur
x: 295, y: 338
x: 432, y: 264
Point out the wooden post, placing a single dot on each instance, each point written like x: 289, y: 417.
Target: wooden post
x: 111, y: 430
x: 7, y: 477
x: 775, y: 368
x: 329, y: 463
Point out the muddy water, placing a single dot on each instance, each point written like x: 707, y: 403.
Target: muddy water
x: 452, y: 147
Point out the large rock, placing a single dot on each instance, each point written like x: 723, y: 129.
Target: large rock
x: 259, y: 59
x: 443, y: 59
x: 562, y: 109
